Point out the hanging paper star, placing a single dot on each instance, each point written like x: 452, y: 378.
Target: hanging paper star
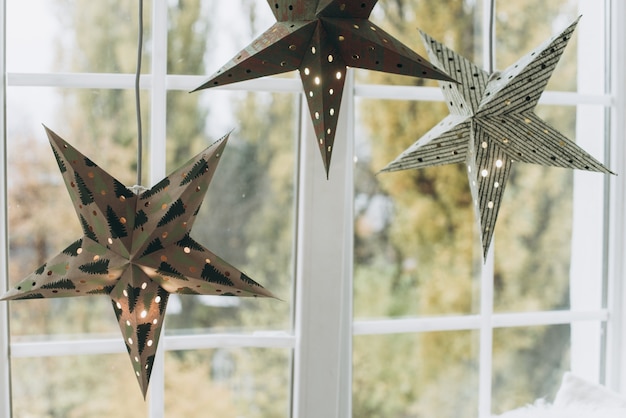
x: 321, y: 38
x: 136, y: 249
x: 491, y: 124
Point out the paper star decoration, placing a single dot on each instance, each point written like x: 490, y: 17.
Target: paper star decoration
x: 321, y: 38
x: 492, y: 124
x: 136, y: 249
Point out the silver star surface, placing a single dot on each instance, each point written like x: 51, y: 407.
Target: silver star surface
x: 492, y: 124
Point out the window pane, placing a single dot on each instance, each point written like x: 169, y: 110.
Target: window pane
x: 546, y: 18
x: 248, y: 215
x: 212, y: 33
x: 415, y: 375
x: 76, y: 36
x: 75, y: 387
x: 536, y: 234
x: 528, y: 364
x: 42, y: 221
x: 228, y: 382
x: 30, y: 27
x: 415, y: 249
x: 400, y: 19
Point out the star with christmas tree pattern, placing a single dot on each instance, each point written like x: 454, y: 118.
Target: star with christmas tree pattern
x: 136, y: 249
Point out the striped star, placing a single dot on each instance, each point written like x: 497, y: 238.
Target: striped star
x: 136, y: 249
x: 321, y: 38
x: 492, y: 124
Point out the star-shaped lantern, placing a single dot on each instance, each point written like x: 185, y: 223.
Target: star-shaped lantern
x: 321, y: 38
x: 136, y: 249
x: 492, y: 124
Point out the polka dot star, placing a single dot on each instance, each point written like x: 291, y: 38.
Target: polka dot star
x: 321, y: 39
x: 136, y: 249
x: 492, y: 124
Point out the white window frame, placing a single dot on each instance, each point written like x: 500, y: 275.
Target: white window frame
x: 323, y: 323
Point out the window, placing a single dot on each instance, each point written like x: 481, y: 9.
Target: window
x: 386, y: 306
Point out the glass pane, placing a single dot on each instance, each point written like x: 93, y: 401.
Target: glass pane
x: 415, y: 249
x: 248, y: 215
x: 528, y: 364
x: 536, y: 236
x: 228, y: 382
x: 30, y: 27
x: 212, y: 33
x: 400, y: 19
x: 433, y: 374
x: 75, y: 387
x: 42, y: 221
x: 80, y: 36
x: 514, y: 39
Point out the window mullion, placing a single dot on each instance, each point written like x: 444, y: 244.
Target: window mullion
x: 5, y: 363
x: 158, y: 107
x: 616, y: 343
x: 323, y: 321
x: 485, y: 356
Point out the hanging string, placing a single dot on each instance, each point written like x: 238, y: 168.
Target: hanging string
x: 137, y: 98
x: 492, y: 35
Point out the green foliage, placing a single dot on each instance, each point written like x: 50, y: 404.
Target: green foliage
x: 60, y: 284
x: 60, y: 162
x: 133, y: 296
x: 104, y: 291
x: 122, y: 190
x: 143, y: 330
x: 100, y: 266
x: 169, y: 270
x: 154, y: 245
x: 213, y: 275
x: 160, y: 186
x: 87, y: 230
x: 189, y: 242
x: 198, y: 169
x: 85, y: 194
x: 116, y: 227
x: 164, y: 295
x: 140, y: 219
x: 175, y: 210
x: 72, y: 249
